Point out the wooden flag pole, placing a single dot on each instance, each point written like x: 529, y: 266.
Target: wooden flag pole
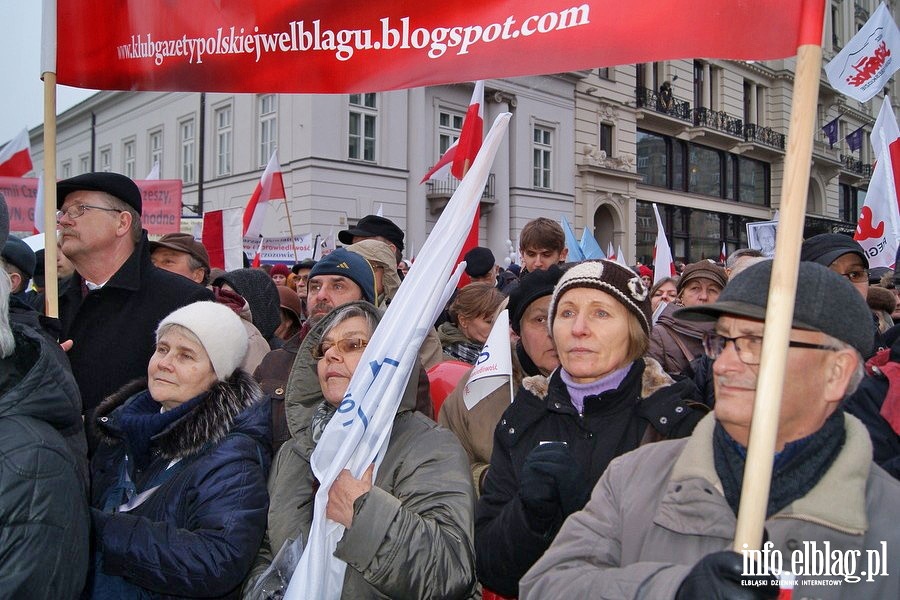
x: 51, y: 289
x: 782, y: 291
x: 287, y: 211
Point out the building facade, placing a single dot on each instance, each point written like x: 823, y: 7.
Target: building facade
x: 702, y: 139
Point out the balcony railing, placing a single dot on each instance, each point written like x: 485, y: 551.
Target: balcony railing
x: 860, y: 12
x: 764, y: 135
x: 719, y: 120
x: 674, y: 107
x: 445, y: 187
x: 856, y: 166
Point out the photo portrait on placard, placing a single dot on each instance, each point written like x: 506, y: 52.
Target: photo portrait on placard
x: 761, y: 236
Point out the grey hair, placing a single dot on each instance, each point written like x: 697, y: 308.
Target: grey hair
x: 122, y: 206
x: 741, y: 253
x: 343, y: 313
x: 7, y: 341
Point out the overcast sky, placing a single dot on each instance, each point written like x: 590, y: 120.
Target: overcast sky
x: 22, y: 96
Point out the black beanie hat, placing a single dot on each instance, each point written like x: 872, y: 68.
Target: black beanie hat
x: 533, y: 285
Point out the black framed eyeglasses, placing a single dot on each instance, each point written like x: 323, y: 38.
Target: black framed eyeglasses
x: 344, y: 346
x: 748, y: 347
x: 76, y: 210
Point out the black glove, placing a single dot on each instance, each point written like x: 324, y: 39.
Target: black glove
x: 718, y: 577
x: 552, y: 483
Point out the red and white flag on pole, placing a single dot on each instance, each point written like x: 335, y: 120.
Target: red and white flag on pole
x: 878, y: 226
x: 610, y: 253
x: 222, y: 238
x: 663, y: 265
x: 458, y: 157
x: 15, y: 157
x: 270, y: 187
x: 723, y: 255
x: 456, y: 160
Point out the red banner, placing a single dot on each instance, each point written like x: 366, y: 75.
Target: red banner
x: 333, y: 46
x: 161, y: 203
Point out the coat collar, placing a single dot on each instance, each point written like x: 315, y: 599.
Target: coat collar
x: 208, y: 423
x: 652, y: 379
x: 694, y: 473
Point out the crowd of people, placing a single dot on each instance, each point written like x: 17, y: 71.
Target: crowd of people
x: 156, y: 438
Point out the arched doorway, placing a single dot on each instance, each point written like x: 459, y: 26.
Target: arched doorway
x: 605, y: 226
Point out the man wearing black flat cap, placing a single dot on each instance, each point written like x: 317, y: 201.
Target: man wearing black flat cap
x: 661, y: 520
x: 373, y: 226
x: 116, y: 297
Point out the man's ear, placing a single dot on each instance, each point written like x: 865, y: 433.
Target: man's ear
x: 842, y: 366
x: 564, y: 254
x: 15, y: 280
x: 124, y: 225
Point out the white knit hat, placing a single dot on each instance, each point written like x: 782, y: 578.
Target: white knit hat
x: 219, y: 330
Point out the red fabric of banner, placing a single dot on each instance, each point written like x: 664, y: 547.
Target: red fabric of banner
x: 325, y: 46
x: 213, y: 238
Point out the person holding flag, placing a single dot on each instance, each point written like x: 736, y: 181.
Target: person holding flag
x: 558, y: 436
x: 409, y: 528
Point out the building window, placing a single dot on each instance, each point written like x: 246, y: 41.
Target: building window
x: 84, y: 164
x: 268, y: 123
x: 128, y: 158
x: 705, y: 171
x: 653, y: 158
x: 848, y: 209
x: 223, y: 120
x: 673, y: 164
x: 603, y: 73
x: 606, y: 138
x: 694, y: 234
x: 156, y: 149
x: 542, y: 153
x: 66, y: 169
x: 106, y: 160
x: 187, y: 143
x: 361, y: 134
x: 449, y: 127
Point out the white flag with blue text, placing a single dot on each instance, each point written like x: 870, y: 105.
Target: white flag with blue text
x: 357, y: 436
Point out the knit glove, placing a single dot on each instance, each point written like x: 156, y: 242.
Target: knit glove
x: 718, y: 577
x: 552, y: 484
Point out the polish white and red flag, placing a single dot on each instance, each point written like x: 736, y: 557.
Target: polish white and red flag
x: 663, y: 265
x: 610, y: 253
x: 723, y: 255
x: 15, y: 157
x: 222, y: 238
x: 620, y: 256
x: 459, y: 156
x: 270, y: 187
x: 878, y: 225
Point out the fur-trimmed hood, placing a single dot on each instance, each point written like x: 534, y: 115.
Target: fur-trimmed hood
x: 652, y: 379
x: 232, y: 405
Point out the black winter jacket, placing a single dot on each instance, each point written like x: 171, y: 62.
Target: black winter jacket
x: 614, y: 423
x: 114, y: 328
x: 198, y: 533
x: 44, y: 522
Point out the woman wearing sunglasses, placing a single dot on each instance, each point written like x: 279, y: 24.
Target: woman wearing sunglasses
x: 409, y: 531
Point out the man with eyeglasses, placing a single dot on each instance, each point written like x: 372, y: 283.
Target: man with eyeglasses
x: 661, y: 520
x: 116, y: 297
x: 843, y: 255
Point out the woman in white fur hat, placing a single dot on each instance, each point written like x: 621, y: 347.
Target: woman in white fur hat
x: 179, y: 494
